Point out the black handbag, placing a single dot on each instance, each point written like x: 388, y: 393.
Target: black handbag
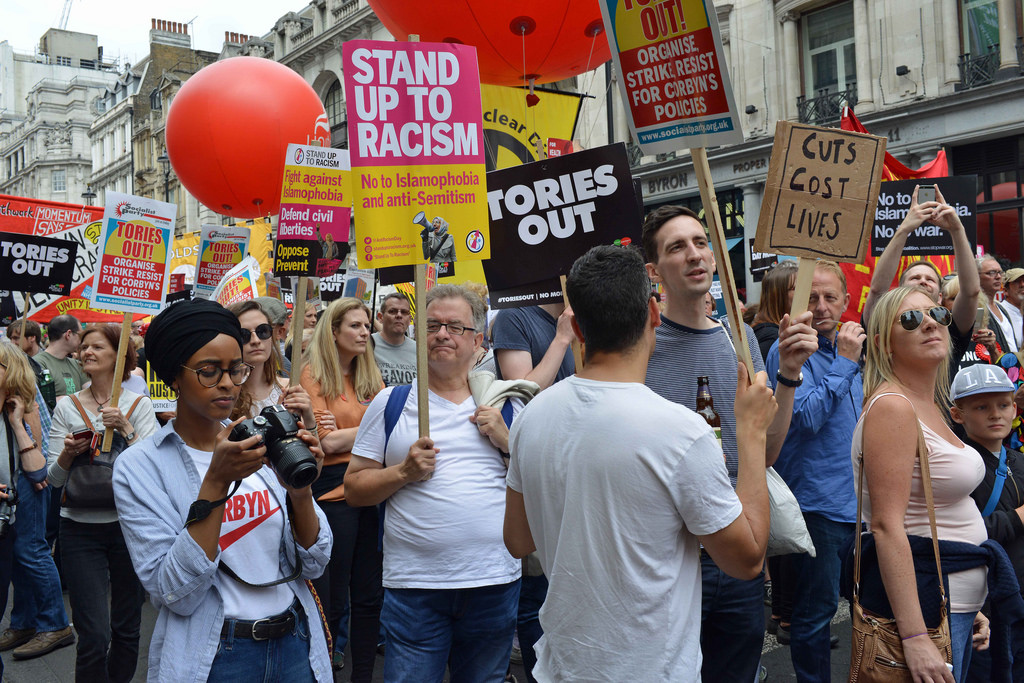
x: 90, y: 484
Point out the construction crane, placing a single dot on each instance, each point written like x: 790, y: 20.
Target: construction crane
x: 65, y: 15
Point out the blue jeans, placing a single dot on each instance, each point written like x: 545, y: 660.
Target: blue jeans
x: 961, y: 628
x: 106, y: 600
x: 38, y: 602
x: 531, y: 597
x: 816, y: 595
x: 732, y: 624
x: 469, y: 629
x: 241, y: 660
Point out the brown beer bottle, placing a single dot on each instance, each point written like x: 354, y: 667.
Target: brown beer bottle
x: 706, y: 408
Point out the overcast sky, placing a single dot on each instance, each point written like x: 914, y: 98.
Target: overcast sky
x: 123, y: 27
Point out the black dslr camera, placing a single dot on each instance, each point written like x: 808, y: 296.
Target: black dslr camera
x: 7, y: 506
x: 290, y: 457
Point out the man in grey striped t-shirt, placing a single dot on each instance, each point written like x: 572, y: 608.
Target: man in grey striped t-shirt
x: 689, y: 345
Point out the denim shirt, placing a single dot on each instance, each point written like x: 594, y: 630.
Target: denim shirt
x: 155, y: 483
x: 815, y: 458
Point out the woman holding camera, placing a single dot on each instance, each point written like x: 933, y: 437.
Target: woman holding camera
x: 265, y: 387
x: 223, y: 546
x: 92, y: 547
x: 22, y: 471
x: 342, y: 378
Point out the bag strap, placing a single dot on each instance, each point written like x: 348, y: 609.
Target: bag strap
x: 926, y: 479
x: 10, y: 446
x: 393, y: 409
x: 131, y: 410
x: 997, y: 486
x: 81, y: 411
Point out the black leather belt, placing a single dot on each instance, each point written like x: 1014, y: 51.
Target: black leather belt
x: 263, y: 629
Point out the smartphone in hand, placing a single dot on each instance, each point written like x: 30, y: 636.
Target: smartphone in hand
x: 925, y: 193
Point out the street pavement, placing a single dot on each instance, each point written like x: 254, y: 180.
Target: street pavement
x: 59, y: 666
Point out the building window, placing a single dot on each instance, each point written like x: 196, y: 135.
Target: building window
x: 980, y: 22
x: 58, y: 180
x: 829, y: 54
x: 63, y: 61
x: 334, y: 105
x: 155, y: 101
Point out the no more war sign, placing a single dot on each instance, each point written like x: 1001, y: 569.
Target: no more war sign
x: 548, y: 213
x: 36, y: 264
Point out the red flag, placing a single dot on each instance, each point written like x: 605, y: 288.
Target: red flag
x: 858, y: 277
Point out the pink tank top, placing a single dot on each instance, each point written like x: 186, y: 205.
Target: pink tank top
x: 955, y: 472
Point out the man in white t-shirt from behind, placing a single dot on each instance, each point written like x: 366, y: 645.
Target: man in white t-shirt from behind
x: 618, y: 506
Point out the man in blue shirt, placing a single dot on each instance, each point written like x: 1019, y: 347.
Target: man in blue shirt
x: 815, y: 462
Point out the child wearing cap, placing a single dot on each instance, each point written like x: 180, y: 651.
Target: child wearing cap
x: 983, y: 405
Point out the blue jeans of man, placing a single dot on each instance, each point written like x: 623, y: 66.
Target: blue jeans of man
x: 816, y: 598
x: 106, y: 600
x: 468, y: 629
x: 732, y: 624
x: 242, y: 660
x: 38, y: 602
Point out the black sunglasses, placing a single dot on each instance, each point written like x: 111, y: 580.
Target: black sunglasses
x: 911, y: 320
x: 262, y: 331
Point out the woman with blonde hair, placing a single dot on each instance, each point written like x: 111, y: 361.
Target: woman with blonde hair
x: 265, y: 387
x: 341, y: 376
x: 906, y: 399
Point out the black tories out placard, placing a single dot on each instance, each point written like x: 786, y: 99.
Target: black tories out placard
x: 36, y: 264
x: 546, y: 214
x: 960, y: 192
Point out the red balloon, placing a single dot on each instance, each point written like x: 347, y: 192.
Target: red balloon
x: 563, y: 38
x: 229, y: 127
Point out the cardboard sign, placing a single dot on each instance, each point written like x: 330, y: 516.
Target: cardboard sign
x: 960, y: 192
x: 316, y: 200
x: 37, y: 264
x: 239, y: 283
x: 416, y: 139
x: 821, y: 191
x: 134, y: 247
x: 220, y: 249
x: 546, y: 214
x: 674, y: 79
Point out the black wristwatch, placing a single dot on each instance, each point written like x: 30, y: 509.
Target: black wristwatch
x: 787, y: 382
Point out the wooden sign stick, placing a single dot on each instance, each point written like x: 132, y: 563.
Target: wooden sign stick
x: 115, y: 387
x: 298, y: 318
x: 802, y: 291
x: 722, y: 262
x: 420, y: 332
x: 24, y: 317
x: 577, y: 348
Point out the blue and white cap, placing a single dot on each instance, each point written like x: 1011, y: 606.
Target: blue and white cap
x: 980, y: 379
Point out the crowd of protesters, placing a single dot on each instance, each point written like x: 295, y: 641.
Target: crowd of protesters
x: 571, y: 510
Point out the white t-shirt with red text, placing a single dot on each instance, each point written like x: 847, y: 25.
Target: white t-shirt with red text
x: 250, y: 538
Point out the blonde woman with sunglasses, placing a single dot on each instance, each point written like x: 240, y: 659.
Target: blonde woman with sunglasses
x: 906, y: 392
x: 265, y: 387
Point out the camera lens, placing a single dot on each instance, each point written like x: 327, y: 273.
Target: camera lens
x: 293, y: 461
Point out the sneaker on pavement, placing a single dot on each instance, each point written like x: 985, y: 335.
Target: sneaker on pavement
x: 517, y: 655
x: 13, y: 637
x: 45, y: 642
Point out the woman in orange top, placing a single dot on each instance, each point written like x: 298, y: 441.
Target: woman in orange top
x: 342, y: 378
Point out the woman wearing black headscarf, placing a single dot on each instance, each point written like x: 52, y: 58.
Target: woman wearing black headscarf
x: 226, y: 562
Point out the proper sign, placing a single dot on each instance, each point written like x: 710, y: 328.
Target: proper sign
x: 416, y: 140
x: 313, y: 223
x: 674, y: 79
x: 134, y: 245
x: 221, y: 248
x: 821, y: 192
